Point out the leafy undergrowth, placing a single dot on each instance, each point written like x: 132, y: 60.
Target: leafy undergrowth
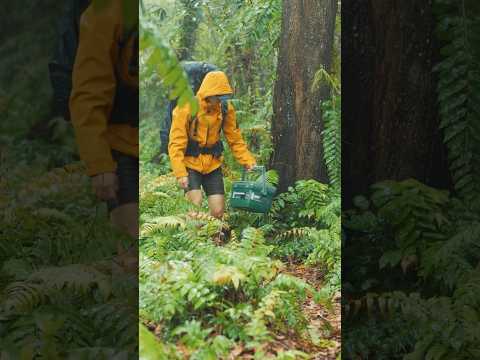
x: 269, y: 291
x: 61, y: 296
x: 412, y: 286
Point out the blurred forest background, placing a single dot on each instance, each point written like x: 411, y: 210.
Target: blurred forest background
x: 410, y: 179
x: 61, y: 296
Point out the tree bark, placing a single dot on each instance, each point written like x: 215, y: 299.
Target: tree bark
x: 389, y: 113
x: 306, y: 45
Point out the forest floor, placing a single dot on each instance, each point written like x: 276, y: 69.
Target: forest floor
x: 327, y: 324
x: 305, y: 326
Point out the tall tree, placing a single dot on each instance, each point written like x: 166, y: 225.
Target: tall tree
x: 390, y: 127
x: 188, y: 34
x: 306, y: 45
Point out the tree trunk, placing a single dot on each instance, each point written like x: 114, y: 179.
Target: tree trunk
x: 189, y: 28
x: 389, y: 113
x: 306, y: 45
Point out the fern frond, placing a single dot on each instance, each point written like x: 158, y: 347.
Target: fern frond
x: 289, y: 283
x: 448, y: 261
x: 114, y: 323
x: 77, y: 278
x: 233, y: 236
x: 332, y: 137
x: 295, y: 233
x: 384, y: 304
x: 161, y: 223
x: 315, y: 196
x: 414, y: 210
x: 272, y: 177
x: 252, y: 237
x: 22, y: 297
x: 458, y: 90
x: 202, y: 216
x: 323, y: 76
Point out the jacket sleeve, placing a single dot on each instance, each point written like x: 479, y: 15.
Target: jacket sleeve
x: 178, y: 140
x: 93, y: 88
x: 235, y: 139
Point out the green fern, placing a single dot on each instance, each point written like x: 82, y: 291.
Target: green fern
x: 158, y: 224
x: 374, y: 305
x: 323, y: 76
x: 21, y: 296
x: 448, y: 325
x: 37, y: 288
x: 295, y: 233
x: 331, y: 137
x: 416, y: 213
x: 272, y: 177
x: 425, y: 232
x: 458, y: 90
x: 315, y: 197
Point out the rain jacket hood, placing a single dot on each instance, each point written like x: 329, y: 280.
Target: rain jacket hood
x: 214, y: 83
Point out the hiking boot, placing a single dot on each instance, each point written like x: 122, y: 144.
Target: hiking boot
x: 227, y: 233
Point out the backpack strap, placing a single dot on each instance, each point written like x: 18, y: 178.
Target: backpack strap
x: 124, y: 109
x: 224, y: 106
x: 192, y: 145
x: 190, y: 121
x: 127, y: 35
x: 167, y: 124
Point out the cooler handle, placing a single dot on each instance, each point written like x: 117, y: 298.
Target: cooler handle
x: 264, y: 176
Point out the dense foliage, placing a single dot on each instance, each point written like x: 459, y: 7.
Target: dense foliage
x: 213, y: 297
x: 204, y: 297
x: 61, y: 295
x: 412, y: 283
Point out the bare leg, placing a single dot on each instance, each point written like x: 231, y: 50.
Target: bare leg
x: 216, y: 203
x: 195, y: 196
x: 126, y: 217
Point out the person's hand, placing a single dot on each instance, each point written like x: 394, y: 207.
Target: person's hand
x: 183, y: 182
x: 105, y: 185
x: 250, y: 167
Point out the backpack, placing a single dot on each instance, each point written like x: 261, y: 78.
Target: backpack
x: 196, y: 72
x: 125, y: 107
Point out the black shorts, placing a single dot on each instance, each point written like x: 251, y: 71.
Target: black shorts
x: 212, y: 183
x: 127, y: 174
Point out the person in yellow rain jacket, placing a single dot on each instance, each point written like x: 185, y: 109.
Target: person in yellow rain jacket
x: 195, y: 148
x: 104, y: 109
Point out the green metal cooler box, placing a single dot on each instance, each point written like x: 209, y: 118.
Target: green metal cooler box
x: 254, y: 196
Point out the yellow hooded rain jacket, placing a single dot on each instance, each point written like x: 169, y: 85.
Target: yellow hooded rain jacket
x: 93, y: 90
x: 208, y: 130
